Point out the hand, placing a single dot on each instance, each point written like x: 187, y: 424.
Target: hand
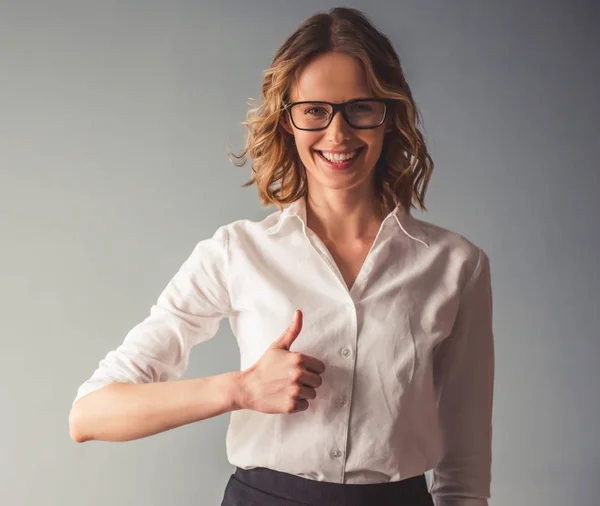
x: 281, y: 381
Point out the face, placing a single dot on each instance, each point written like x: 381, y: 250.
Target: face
x: 335, y: 77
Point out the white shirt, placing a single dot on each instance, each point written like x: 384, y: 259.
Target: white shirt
x: 408, y: 351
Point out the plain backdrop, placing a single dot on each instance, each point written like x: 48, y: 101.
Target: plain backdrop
x: 114, y: 123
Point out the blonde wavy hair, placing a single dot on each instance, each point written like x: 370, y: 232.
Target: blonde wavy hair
x: 404, y: 168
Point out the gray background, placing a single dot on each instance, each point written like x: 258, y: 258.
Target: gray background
x: 115, y: 118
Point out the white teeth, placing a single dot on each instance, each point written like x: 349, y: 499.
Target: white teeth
x: 339, y: 157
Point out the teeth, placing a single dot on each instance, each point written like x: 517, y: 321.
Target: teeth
x: 339, y: 157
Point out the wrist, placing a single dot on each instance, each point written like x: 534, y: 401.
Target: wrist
x: 238, y: 390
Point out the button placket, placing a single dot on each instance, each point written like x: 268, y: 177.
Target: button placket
x: 343, y: 400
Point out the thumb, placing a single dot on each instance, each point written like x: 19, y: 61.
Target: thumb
x: 291, y: 333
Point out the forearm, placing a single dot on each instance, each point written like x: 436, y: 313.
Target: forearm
x: 124, y: 411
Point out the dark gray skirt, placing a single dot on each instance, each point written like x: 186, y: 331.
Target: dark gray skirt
x: 266, y: 487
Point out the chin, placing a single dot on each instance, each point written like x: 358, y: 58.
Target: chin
x: 320, y: 178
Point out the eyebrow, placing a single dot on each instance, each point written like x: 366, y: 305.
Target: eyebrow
x: 343, y: 102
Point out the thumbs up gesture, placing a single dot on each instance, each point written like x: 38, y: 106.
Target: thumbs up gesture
x: 282, y: 381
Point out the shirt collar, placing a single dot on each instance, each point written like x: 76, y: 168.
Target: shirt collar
x: 406, y: 222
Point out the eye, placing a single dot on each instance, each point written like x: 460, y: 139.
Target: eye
x: 315, y: 111
x: 361, y: 107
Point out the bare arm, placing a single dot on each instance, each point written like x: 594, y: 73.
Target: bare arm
x: 127, y: 411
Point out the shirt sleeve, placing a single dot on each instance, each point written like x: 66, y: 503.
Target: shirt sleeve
x: 464, y: 379
x: 187, y: 312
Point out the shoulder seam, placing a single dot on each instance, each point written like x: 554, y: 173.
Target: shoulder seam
x: 476, y: 271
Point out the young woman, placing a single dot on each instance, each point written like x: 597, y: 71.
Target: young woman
x: 365, y: 334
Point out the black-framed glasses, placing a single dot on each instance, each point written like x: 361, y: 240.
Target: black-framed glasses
x: 360, y: 113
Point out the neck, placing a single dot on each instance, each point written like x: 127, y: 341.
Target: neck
x: 342, y: 216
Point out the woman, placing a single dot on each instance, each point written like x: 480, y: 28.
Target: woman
x: 386, y: 369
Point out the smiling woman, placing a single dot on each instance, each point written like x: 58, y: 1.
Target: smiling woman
x: 398, y: 335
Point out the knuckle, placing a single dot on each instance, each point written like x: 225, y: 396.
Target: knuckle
x: 295, y: 374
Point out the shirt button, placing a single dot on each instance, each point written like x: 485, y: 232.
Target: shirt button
x: 336, y: 454
x: 342, y: 400
x: 346, y: 352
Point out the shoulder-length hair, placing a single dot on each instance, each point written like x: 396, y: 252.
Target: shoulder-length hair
x: 404, y: 168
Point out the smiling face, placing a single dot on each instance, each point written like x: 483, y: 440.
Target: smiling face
x: 335, y: 77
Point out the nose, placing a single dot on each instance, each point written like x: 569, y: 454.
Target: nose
x: 338, y: 130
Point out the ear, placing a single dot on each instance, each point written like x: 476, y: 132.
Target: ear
x: 285, y: 123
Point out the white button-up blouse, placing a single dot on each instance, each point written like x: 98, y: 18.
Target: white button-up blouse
x: 408, y: 350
